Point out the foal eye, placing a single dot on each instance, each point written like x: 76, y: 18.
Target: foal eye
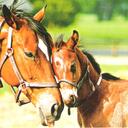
x: 73, y: 68
x: 29, y: 54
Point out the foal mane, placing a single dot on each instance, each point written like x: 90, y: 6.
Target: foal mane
x: 106, y: 76
x: 35, y: 25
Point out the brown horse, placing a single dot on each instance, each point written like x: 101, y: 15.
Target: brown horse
x: 100, y: 102
x: 24, y: 65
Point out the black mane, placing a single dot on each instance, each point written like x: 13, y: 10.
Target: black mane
x: 93, y: 62
x: 106, y: 76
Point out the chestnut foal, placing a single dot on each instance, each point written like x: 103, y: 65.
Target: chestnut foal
x: 100, y: 103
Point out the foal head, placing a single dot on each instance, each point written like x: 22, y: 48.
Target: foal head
x: 67, y: 68
x: 25, y: 66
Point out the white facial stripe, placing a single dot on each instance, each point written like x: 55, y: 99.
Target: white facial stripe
x: 57, y: 59
x: 63, y: 66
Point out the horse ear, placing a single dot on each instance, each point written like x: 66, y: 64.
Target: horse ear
x: 72, y: 42
x: 9, y: 18
x: 40, y: 15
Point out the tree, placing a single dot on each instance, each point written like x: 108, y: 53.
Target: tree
x: 104, y: 9
x: 61, y: 12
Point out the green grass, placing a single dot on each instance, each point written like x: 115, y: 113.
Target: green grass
x: 89, y: 27
x: 4, y: 89
x: 95, y: 34
x: 117, y: 70
x: 113, y: 68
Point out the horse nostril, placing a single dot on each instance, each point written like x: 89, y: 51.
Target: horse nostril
x: 54, y: 109
x: 72, y: 99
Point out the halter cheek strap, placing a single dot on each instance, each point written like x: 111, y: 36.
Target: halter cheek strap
x: 22, y: 83
x: 82, y: 80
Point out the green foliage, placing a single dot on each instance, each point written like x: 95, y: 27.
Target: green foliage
x: 63, y: 12
x: 60, y: 12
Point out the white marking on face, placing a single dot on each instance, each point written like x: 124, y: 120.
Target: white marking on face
x: 66, y: 93
x: 57, y: 59
x: 62, y: 66
x: 46, y: 99
x: 43, y: 48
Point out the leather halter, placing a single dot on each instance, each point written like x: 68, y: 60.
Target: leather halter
x: 22, y: 83
x: 82, y: 80
x: 79, y: 84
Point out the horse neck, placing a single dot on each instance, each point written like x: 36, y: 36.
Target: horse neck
x: 92, y: 102
x: 85, y: 63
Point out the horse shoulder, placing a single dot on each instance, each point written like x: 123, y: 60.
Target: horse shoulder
x: 119, y: 100
x: 112, y: 107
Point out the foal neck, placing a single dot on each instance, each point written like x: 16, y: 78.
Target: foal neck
x: 87, y: 66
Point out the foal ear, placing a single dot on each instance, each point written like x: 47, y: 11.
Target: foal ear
x: 40, y: 15
x: 9, y: 18
x: 72, y: 42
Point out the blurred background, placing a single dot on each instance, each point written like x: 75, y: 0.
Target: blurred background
x: 103, y: 30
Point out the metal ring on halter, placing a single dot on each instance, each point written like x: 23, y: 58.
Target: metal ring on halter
x: 9, y: 52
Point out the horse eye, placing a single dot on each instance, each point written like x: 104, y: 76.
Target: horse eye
x: 29, y: 54
x: 73, y: 68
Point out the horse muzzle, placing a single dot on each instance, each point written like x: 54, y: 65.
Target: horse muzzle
x: 49, y: 110
x: 70, y: 97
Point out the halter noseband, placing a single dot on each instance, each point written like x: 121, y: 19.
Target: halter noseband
x: 82, y: 80
x: 22, y: 83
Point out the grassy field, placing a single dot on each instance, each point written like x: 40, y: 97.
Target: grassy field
x: 95, y: 34
x: 89, y: 27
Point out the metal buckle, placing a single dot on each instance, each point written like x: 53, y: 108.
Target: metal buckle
x: 20, y: 88
x: 22, y: 84
x: 9, y: 52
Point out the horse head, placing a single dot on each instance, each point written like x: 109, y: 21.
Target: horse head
x: 67, y: 68
x: 24, y: 65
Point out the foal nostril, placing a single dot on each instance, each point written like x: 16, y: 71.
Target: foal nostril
x: 72, y: 99
x: 54, y: 109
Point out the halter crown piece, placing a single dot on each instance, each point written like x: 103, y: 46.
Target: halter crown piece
x: 22, y: 83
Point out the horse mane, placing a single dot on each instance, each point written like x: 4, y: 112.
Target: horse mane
x: 35, y: 25
x: 93, y: 61
x: 59, y: 41
x: 106, y: 76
